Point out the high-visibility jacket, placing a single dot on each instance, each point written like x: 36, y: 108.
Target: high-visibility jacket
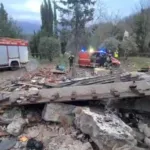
x: 116, y: 54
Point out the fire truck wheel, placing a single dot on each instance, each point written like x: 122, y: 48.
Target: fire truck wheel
x: 14, y: 65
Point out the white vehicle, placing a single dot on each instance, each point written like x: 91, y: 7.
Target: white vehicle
x: 13, y: 53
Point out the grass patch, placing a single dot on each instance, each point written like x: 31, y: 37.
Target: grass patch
x: 135, y: 63
x: 61, y: 60
x: 140, y: 61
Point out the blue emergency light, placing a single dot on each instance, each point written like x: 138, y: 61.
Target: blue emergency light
x: 83, y: 49
x: 102, y: 50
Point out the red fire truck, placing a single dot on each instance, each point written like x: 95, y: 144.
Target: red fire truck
x: 85, y: 59
x: 13, y: 53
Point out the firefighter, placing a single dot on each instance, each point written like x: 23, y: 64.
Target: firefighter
x: 71, y: 60
x: 108, y: 62
x: 103, y: 59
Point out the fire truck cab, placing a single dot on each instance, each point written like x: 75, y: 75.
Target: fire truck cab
x: 13, y: 53
x: 85, y: 59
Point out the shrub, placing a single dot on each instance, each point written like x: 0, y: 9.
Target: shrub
x: 129, y: 47
x: 110, y: 43
x: 50, y: 47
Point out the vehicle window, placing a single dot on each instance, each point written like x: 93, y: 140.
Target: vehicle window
x: 13, y: 51
x: 24, y: 48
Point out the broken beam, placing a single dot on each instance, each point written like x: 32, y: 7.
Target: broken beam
x: 102, y: 92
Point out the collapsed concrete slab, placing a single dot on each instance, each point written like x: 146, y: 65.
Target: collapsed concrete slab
x: 105, y: 130
x: 57, y: 112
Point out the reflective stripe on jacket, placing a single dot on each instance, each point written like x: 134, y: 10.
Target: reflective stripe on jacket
x: 116, y: 54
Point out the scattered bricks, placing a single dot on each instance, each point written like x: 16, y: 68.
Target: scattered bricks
x: 40, y: 76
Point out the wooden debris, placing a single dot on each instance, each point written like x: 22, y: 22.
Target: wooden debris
x: 30, y: 85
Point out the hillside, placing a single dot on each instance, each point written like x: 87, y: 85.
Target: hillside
x: 29, y: 27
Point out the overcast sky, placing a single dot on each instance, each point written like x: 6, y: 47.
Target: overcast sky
x: 30, y: 9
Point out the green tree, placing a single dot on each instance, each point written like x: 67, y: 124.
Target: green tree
x: 34, y: 44
x: 80, y: 13
x: 47, y: 17
x: 128, y: 47
x: 50, y: 46
x: 55, y: 19
x: 3, y: 13
x: 141, y: 23
x: 8, y: 27
x: 64, y: 37
x: 110, y: 43
x: 46, y: 30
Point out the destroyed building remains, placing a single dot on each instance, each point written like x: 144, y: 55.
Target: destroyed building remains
x: 47, y: 109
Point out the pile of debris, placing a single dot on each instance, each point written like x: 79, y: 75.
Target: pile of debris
x: 51, y: 78
x: 49, y: 73
x: 46, y: 109
x: 68, y: 127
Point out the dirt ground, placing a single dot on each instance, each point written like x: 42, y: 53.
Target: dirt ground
x: 7, y: 74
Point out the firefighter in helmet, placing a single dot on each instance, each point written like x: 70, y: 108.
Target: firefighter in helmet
x: 71, y: 60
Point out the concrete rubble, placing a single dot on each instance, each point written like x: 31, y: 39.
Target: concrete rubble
x: 12, y: 114
x: 68, y: 143
x: 56, y: 112
x: 105, y: 130
x: 72, y: 125
x: 16, y: 127
x: 7, y: 144
x: 68, y: 127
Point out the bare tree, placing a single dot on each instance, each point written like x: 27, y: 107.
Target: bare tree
x: 141, y: 23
